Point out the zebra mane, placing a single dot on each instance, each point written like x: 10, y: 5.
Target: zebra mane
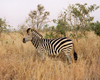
x: 36, y: 33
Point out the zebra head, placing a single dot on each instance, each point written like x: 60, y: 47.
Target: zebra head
x: 28, y: 36
x: 31, y: 34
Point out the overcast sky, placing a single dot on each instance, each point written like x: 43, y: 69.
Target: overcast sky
x: 16, y: 11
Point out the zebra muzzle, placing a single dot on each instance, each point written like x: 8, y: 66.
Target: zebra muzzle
x: 24, y: 40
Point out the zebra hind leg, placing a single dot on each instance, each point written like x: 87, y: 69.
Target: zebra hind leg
x: 68, y: 57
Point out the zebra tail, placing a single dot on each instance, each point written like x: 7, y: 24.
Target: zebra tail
x: 75, y: 54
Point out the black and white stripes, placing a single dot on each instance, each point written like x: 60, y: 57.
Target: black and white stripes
x: 55, y: 46
x: 49, y: 46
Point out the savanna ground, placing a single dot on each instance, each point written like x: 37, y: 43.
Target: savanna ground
x: 18, y: 60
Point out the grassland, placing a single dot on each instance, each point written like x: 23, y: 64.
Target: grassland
x: 19, y: 61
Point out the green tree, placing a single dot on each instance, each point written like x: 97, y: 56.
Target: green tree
x: 59, y: 30
x: 62, y: 26
x: 96, y: 28
x: 82, y: 15
x: 79, y: 18
x: 76, y: 18
x: 38, y: 18
x: 3, y: 25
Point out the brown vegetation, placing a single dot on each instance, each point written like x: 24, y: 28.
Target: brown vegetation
x: 17, y: 61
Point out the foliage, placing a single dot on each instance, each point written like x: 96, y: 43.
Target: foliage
x: 38, y: 18
x: 22, y: 29
x: 61, y: 28
x: 45, y: 28
x: 58, y: 31
x: 97, y: 28
x: 52, y: 33
x: 3, y: 26
x: 75, y: 18
x: 80, y: 16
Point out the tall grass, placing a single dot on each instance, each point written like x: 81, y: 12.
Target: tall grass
x: 19, y: 61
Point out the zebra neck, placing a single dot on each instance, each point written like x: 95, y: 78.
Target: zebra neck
x: 37, y: 34
x: 35, y: 42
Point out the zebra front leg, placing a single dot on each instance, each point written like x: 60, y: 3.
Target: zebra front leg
x: 42, y: 56
x: 41, y: 50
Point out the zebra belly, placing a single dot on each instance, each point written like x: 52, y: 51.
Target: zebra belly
x: 51, y: 52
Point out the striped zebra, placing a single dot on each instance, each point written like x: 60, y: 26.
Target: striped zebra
x: 50, y: 46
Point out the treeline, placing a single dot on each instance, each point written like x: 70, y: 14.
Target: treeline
x: 76, y: 18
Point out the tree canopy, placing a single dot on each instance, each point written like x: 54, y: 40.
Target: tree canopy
x: 38, y: 18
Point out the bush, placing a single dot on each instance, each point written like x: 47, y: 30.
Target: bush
x: 58, y: 31
x: 50, y: 35
x: 97, y: 28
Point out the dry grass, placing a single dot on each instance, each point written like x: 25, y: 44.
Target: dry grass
x: 19, y: 62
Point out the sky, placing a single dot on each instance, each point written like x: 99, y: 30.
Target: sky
x: 16, y: 11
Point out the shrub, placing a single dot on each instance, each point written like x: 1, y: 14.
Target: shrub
x: 97, y: 28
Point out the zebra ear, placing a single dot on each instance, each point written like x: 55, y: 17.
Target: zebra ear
x: 28, y: 30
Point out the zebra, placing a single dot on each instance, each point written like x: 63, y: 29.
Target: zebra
x: 50, y: 46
